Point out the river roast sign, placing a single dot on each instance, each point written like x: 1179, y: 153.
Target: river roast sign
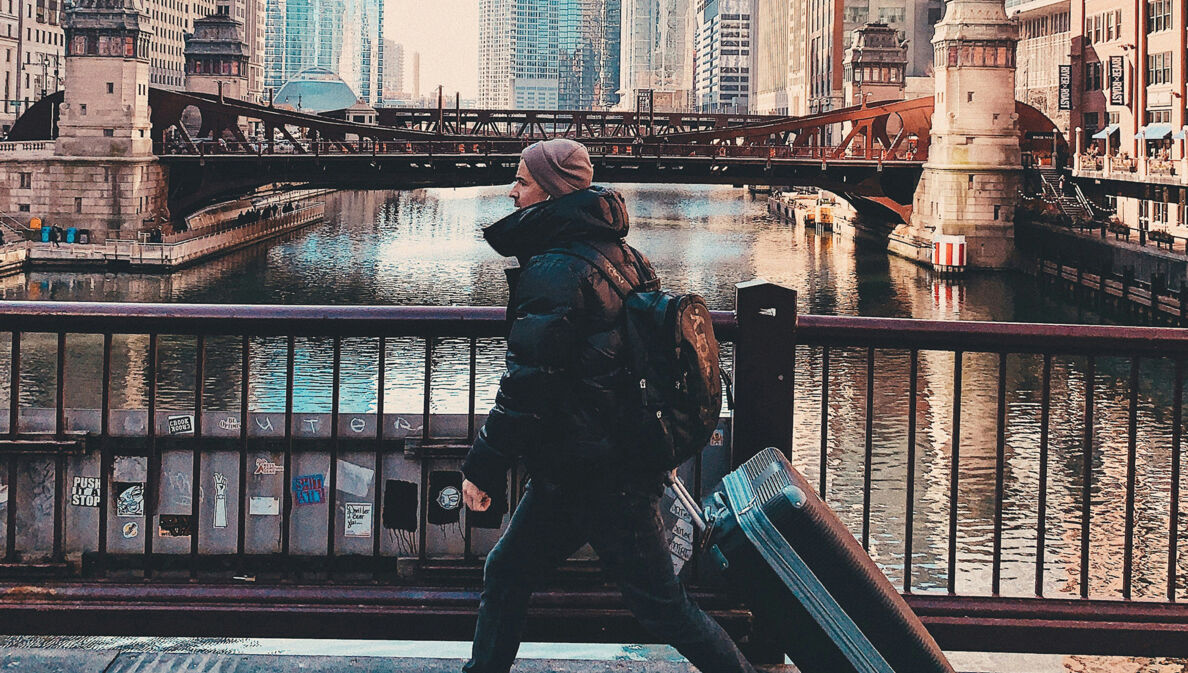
x: 1065, y: 87
x: 1117, y: 81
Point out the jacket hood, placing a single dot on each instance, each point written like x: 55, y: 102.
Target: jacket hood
x: 594, y: 213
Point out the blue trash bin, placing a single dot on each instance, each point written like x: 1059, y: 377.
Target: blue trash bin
x: 45, y: 231
x: 71, y: 234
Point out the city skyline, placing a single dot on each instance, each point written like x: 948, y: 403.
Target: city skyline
x: 445, y: 34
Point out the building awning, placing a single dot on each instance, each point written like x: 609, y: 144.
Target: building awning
x: 1181, y: 134
x: 1154, y: 132
x: 1106, y: 132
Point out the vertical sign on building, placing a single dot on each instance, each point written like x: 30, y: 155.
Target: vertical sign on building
x: 1065, y: 87
x: 644, y: 99
x: 1117, y: 80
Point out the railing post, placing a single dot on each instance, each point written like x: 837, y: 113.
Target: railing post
x: 764, y: 363
x: 1077, y: 152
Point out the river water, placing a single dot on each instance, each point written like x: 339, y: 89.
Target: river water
x: 424, y: 247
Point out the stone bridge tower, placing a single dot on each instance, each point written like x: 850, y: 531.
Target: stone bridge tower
x: 973, y: 173
x: 105, y: 111
x: 103, y: 175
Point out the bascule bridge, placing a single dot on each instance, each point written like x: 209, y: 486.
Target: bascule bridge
x: 113, y: 155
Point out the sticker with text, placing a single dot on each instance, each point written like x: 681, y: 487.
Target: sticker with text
x: 309, y: 489
x: 180, y: 425
x: 358, y: 519
x: 85, y: 492
x: 267, y: 467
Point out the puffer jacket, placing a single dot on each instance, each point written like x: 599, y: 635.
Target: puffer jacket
x: 559, y: 403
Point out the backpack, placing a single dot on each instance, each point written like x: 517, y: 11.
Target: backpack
x: 673, y: 366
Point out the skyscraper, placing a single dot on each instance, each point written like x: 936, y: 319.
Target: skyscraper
x: 416, y: 74
x: 724, y: 59
x: 274, y: 44
x: 393, y: 71
x: 549, y: 53
x: 656, y: 52
x: 343, y: 36
x: 771, y: 57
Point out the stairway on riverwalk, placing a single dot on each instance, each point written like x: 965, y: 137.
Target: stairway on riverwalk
x: 1074, y: 206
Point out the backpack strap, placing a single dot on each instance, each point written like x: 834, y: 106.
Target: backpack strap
x: 643, y: 269
x: 616, y: 280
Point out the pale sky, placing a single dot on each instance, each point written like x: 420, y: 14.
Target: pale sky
x: 446, y: 34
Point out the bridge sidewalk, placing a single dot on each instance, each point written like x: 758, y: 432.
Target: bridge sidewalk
x: 204, y: 655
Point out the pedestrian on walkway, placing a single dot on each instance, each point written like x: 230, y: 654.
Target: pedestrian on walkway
x: 559, y: 410
x: 55, y: 235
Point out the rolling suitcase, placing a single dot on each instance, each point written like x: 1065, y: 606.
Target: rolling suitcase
x: 801, y: 571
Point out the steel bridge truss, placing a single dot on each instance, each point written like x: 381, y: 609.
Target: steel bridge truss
x: 883, y: 130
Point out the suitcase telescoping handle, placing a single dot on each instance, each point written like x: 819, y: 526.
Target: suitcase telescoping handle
x: 682, y: 494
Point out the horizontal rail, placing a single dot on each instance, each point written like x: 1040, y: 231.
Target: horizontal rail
x: 991, y: 337
x: 435, y: 612
x: 970, y: 336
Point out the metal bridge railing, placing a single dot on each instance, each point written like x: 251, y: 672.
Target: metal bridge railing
x: 1019, y: 482
x: 597, y: 148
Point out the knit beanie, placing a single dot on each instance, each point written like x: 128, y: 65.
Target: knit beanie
x: 560, y: 165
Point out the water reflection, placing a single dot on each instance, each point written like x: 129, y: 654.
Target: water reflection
x: 425, y: 247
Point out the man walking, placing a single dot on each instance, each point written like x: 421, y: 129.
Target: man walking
x: 558, y: 410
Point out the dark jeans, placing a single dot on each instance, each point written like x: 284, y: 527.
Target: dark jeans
x: 625, y: 529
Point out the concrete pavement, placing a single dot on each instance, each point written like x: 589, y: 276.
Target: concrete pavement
x: 119, y: 654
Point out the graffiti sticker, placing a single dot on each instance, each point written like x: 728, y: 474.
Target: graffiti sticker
x: 131, y: 530
x: 220, y: 513
x: 309, y: 489
x: 176, y: 525
x: 85, y: 492
x: 267, y: 467
x: 129, y: 499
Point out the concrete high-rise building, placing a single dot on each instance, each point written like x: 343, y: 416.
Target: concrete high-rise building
x: 724, y: 60
x: 343, y: 36
x: 1045, y: 43
x: 170, y: 21
x: 772, y: 32
x: 797, y: 57
x: 656, y: 53
x: 495, y: 56
x: 549, y: 53
x: 32, y: 54
x: 416, y: 74
x: 393, y: 71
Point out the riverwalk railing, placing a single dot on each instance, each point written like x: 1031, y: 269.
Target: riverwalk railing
x: 263, y: 469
